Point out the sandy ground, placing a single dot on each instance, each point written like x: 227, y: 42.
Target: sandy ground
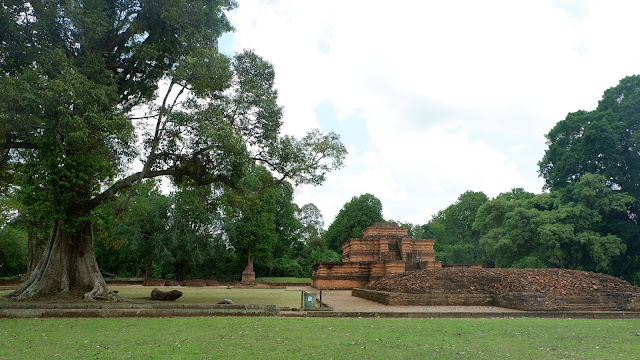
x: 341, y: 300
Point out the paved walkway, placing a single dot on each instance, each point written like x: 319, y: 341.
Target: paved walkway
x: 342, y: 301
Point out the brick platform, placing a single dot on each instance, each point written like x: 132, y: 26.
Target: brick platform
x: 528, y: 301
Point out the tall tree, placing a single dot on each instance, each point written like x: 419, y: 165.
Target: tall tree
x: 604, y: 141
x: 311, y: 220
x: 290, y: 243
x: 316, y: 249
x: 554, y: 230
x: 362, y: 211
x: 72, y: 72
x: 456, y: 240
x: 145, y: 226
x: 251, y: 218
x: 191, y: 228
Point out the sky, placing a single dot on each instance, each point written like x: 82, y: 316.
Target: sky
x: 434, y: 98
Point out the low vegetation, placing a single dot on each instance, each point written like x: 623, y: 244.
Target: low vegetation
x: 280, y: 338
x: 207, y: 295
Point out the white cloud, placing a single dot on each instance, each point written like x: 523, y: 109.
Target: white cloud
x: 453, y: 95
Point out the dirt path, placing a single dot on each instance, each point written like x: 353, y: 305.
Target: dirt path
x: 341, y: 300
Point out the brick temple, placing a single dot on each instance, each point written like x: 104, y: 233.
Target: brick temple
x: 385, y: 249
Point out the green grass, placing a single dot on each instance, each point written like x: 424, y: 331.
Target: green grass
x: 206, y: 295
x: 302, y: 338
x: 284, y: 280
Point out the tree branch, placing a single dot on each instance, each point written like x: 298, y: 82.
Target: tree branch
x: 38, y: 8
x: 144, y: 117
x: 160, y: 126
x: 126, y: 183
x: 130, y: 180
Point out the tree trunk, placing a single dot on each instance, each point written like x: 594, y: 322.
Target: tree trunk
x: 181, y: 269
x: 34, y: 247
x: 147, y: 270
x: 68, y: 267
x: 30, y: 246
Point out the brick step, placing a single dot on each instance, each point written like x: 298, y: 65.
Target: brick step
x: 588, y: 307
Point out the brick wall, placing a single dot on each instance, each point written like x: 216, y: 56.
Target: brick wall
x: 596, y: 302
x: 385, y: 229
x: 389, y: 298
x: 354, y: 274
x: 528, y: 301
x: 337, y: 284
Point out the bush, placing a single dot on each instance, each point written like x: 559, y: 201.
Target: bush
x: 13, y: 250
x: 284, y: 267
x: 529, y: 262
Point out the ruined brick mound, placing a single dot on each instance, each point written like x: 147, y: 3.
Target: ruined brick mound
x: 503, y: 281
x: 194, y: 283
x: 160, y: 282
x: 165, y: 295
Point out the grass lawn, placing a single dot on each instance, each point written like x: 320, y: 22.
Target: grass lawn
x: 302, y: 338
x: 207, y: 295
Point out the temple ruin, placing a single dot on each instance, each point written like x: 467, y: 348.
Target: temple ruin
x: 385, y: 249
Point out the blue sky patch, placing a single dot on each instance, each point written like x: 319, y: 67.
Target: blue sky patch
x: 225, y: 43
x: 353, y: 130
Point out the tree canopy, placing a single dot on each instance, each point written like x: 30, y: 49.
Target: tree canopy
x: 588, y: 220
x: 552, y: 230
x: 456, y: 240
x: 362, y: 211
x: 604, y: 141
x: 73, y: 76
x: 311, y: 221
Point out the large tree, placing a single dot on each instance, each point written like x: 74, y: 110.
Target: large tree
x: 74, y: 72
x: 456, y: 240
x: 562, y: 230
x: 311, y: 220
x: 251, y: 218
x: 144, y: 227
x: 190, y: 233
x: 356, y: 215
x: 604, y: 141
